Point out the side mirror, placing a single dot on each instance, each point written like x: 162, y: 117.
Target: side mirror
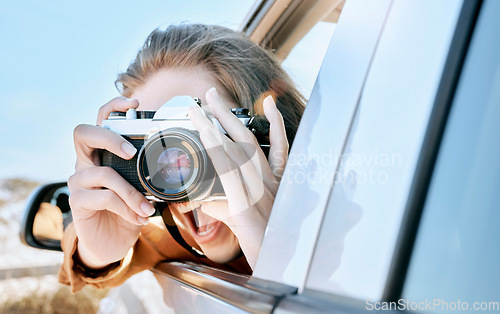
x: 46, y: 215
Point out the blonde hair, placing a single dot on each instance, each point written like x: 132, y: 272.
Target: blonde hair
x: 246, y: 71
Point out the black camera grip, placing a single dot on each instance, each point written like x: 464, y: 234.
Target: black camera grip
x: 126, y: 168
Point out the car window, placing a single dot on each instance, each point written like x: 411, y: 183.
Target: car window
x: 456, y: 257
x: 360, y: 228
x: 305, y: 59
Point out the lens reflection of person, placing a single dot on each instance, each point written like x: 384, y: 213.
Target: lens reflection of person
x: 110, y: 238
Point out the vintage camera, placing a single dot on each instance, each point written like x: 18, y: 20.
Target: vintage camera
x: 171, y: 164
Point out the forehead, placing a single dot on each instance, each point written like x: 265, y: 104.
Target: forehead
x: 170, y: 82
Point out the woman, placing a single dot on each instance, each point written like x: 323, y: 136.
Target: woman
x: 111, y: 237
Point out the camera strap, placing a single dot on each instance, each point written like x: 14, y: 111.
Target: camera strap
x: 174, y: 231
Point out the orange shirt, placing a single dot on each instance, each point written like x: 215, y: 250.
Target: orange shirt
x: 155, y: 244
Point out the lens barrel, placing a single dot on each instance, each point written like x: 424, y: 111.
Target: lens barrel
x: 173, y: 166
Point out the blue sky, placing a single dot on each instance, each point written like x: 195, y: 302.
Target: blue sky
x: 58, y: 62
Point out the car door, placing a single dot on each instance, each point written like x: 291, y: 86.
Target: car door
x: 436, y: 250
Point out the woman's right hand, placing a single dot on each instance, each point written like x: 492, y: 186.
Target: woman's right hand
x: 108, y: 212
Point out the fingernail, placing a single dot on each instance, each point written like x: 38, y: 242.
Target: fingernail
x: 198, y: 109
x: 147, y: 208
x: 129, y: 99
x: 194, y: 108
x: 268, y: 104
x: 136, y: 102
x: 142, y: 220
x: 129, y: 149
x: 213, y: 91
x: 269, y: 99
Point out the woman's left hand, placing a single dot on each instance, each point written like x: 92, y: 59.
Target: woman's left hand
x: 249, y: 179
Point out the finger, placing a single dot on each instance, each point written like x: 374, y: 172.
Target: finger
x: 186, y: 206
x: 278, y: 152
x: 231, y: 124
x: 199, y: 119
x: 105, y: 177
x: 228, y: 156
x: 228, y: 172
x: 99, y: 200
x: 121, y: 104
x: 215, y: 143
x: 216, y: 209
x: 242, y: 185
x: 249, y: 147
x: 240, y: 134
x: 88, y: 137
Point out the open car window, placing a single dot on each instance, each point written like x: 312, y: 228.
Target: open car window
x: 305, y: 59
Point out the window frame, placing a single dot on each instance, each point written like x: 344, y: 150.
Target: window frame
x: 280, y: 24
x: 430, y: 149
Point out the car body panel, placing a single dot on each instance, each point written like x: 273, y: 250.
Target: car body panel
x: 379, y: 161
x: 305, y: 187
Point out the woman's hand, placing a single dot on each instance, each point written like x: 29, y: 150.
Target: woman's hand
x: 250, y: 180
x: 108, y: 212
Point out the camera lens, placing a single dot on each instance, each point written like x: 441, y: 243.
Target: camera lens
x: 173, y: 166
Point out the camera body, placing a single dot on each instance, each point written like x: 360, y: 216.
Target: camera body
x: 171, y: 164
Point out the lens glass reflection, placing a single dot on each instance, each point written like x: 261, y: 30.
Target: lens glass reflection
x: 174, y: 165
